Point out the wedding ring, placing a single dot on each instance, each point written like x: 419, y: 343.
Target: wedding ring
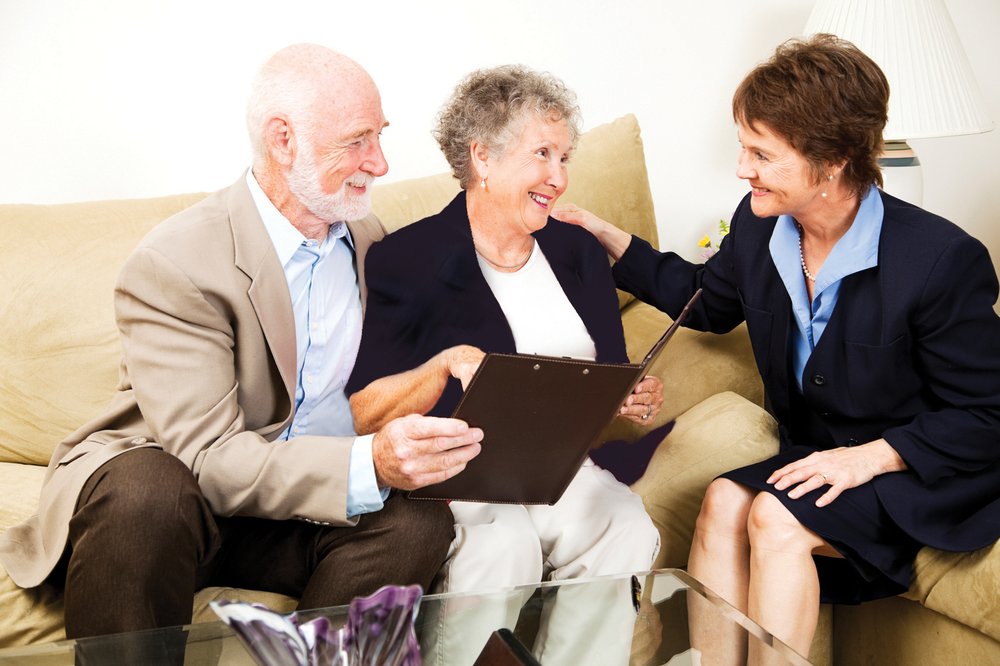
x: 649, y: 410
x: 825, y: 480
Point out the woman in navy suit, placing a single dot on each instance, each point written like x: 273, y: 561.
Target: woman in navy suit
x: 492, y: 272
x: 873, y: 328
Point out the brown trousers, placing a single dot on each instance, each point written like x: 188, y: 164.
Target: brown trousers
x: 143, y: 540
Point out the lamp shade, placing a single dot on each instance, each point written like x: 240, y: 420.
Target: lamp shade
x: 932, y: 91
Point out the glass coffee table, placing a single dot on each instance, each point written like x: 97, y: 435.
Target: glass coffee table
x: 643, y: 620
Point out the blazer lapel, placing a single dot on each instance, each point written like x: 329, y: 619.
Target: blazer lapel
x: 460, y: 271
x: 268, y: 291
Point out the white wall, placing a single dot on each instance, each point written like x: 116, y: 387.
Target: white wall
x: 135, y: 98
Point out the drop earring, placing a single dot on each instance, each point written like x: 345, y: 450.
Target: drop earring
x: 829, y: 178
x: 482, y: 184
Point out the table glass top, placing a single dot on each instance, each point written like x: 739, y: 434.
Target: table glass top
x: 649, y: 619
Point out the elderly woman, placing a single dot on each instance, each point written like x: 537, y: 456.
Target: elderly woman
x: 872, y: 325
x: 494, y: 272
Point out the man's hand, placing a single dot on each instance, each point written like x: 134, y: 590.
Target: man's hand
x: 415, y: 451
x: 461, y: 362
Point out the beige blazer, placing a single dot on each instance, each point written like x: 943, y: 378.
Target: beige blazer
x: 207, y: 374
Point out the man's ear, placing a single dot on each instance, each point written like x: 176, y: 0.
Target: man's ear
x: 480, y: 156
x: 280, y: 140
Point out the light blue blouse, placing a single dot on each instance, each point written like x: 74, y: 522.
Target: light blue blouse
x: 857, y: 250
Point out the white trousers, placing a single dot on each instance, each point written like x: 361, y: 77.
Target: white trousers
x: 598, y: 527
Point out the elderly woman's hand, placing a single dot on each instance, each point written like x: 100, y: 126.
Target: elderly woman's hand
x: 614, y: 240
x: 840, y: 468
x: 461, y: 362
x: 643, y: 404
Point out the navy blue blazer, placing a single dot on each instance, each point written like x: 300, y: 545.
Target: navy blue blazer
x: 911, y: 354
x: 426, y: 293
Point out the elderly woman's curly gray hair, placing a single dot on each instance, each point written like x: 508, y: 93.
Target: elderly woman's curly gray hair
x: 489, y: 105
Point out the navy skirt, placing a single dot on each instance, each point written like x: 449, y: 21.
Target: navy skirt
x: 878, y: 555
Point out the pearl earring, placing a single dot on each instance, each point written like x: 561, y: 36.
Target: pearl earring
x: 828, y: 178
x: 482, y: 184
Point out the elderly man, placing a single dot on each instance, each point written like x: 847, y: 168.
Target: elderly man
x: 228, y: 456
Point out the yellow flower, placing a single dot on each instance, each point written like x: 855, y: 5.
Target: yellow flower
x: 705, y: 242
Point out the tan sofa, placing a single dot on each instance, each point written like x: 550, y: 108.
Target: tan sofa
x: 59, y: 355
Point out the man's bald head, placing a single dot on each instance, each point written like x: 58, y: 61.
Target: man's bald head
x: 301, y: 83
x: 314, y: 119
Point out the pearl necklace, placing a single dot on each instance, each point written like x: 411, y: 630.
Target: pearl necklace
x: 802, y: 258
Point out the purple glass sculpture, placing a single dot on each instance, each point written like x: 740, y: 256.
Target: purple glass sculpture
x: 379, y: 632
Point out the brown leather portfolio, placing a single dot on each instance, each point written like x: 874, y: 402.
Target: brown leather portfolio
x: 503, y: 649
x: 540, y: 417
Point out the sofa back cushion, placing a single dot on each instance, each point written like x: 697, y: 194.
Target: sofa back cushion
x: 59, y: 349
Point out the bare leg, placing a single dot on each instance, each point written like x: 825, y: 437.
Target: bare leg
x: 720, y: 558
x: 784, y: 584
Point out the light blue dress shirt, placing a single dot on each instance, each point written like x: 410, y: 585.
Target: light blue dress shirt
x: 326, y: 302
x: 857, y: 250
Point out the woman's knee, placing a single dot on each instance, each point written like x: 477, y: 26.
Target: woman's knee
x: 725, y: 507
x: 637, y: 533
x: 771, y: 526
x: 631, y: 525
x: 498, y: 549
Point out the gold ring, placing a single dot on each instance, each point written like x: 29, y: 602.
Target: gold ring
x: 649, y: 411
x: 825, y: 480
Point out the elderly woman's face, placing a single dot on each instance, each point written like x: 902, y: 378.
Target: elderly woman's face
x: 528, y: 178
x: 780, y: 178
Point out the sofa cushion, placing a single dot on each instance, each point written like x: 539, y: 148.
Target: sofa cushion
x: 693, y: 367
x: 29, y: 616
x: 962, y: 586
x: 60, y: 348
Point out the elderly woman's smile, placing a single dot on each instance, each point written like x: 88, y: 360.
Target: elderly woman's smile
x: 528, y: 175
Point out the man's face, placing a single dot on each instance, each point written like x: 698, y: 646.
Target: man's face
x: 333, y: 171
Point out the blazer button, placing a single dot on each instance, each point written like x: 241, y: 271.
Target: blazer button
x: 138, y: 441
x: 819, y: 380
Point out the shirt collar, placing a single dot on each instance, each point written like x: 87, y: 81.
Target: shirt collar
x: 284, y: 236
x: 856, y: 250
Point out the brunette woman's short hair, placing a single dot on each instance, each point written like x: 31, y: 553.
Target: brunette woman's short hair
x: 827, y: 99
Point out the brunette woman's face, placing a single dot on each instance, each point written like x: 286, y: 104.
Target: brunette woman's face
x: 781, y: 180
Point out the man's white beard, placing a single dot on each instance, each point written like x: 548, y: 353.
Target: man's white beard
x: 341, y: 206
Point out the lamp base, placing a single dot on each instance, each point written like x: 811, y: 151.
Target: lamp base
x: 901, y: 172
